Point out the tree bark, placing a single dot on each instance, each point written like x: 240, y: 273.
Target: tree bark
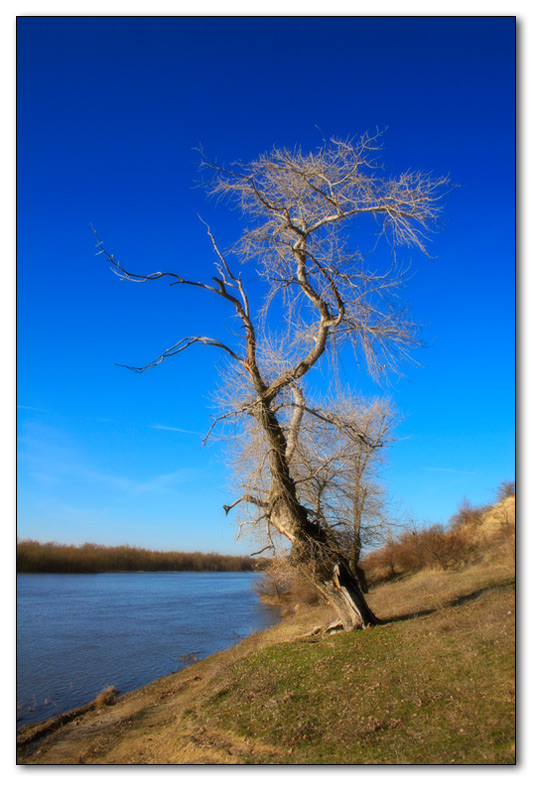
x: 347, y: 583
x: 361, y: 577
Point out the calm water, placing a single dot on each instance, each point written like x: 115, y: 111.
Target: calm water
x: 77, y: 634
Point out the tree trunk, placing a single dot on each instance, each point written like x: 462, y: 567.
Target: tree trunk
x: 359, y: 573
x: 313, y: 548
x: 347, y: 597
x: 356, y: 568
x: 329, y: 570
x: 359, y: 501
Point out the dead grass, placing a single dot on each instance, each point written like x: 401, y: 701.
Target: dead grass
x: 107, y: 697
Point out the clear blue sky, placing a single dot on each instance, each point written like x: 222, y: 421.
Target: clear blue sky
x: 109, y: 111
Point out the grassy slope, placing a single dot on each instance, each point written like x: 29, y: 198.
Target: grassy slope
x: 435, y: 685
x: 435, y: 688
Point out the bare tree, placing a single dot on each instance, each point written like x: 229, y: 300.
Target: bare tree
x: 338, y: 457
x: 299, y: 206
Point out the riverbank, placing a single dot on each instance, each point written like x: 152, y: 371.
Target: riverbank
x: 434, y: 685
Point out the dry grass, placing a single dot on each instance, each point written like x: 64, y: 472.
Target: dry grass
x: 434, y: 686
x: 107, y: 697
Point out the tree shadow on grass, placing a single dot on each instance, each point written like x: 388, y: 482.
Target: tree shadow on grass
x: 456, y: 601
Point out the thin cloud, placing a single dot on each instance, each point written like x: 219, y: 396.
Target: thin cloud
x: 31, y: 408
x: 54, y: 463
x: 177, y: 430
x: 168, y: 481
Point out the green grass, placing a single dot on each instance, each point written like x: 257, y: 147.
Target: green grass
x: 431, y: 689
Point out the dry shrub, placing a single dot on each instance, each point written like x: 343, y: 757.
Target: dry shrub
x: 499, y: 521
x: 107, y: 697
x: 304, y: 593
x: 473, y: 534
x: 33, y: 556
x: 271, y: 590
x: 505, y: 489
x: 497, y: 531
x: 447, y: 550
x: 383, y: 564
x: 467, y: 516
x: 286, y: 586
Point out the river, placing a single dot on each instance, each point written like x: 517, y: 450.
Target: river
x: 77, y: 634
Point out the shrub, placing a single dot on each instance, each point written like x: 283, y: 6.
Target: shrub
x: 467, y: 515
x: 472, y: 534
x: 284, y: 586
x: 272, y: 591
x: 107, y: 697
x: 504, y: 490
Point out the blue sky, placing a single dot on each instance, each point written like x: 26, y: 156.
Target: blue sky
x: 109, y: 113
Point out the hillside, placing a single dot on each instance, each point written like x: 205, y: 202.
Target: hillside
x: 433, y: 685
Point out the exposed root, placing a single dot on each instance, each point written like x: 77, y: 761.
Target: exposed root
x: 313, y: 632
x: 334, y: 627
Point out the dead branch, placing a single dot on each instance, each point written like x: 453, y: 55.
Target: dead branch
x: 179, y: 347
x: 247, y: 498
x: 268, y: 547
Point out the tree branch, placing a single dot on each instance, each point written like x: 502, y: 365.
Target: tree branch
x: 183, y: 344
x: 267, y: 547
x: 247, y: 498
x: 294, y: 426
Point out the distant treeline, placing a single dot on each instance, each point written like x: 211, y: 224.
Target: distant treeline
x: 33, y: 556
